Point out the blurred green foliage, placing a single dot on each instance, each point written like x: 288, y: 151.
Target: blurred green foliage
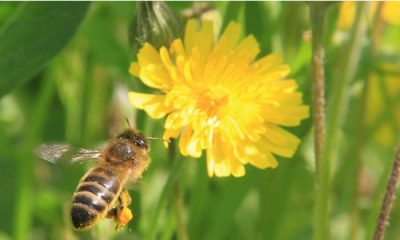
x: 61, y: 82
x: 23, y: 36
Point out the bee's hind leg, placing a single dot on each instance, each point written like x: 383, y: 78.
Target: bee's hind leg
x: 121, y: 212
x: 112, y: 212
x: 124, y: 198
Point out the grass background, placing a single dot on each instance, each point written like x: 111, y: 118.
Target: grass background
x: 64, y: 77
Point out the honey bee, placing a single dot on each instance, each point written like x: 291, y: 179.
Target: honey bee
x: 101, y: 193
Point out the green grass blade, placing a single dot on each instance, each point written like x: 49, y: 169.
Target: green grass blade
x: 232, y: 13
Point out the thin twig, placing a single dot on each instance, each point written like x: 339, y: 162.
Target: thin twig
x: 387, y: 201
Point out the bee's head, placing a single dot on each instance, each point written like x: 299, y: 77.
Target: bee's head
x: 134, y: 137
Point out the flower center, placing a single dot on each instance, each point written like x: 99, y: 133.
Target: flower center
x: 212, y: 100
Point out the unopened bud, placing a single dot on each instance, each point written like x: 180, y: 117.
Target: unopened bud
x: 154, y: 23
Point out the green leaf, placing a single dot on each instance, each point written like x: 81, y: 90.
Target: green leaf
x: 6, y: 10
x: 232, y: 13
x: 32, y: 36
x: 259, y: 23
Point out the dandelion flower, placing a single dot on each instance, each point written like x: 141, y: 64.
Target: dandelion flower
x: 219, y: 98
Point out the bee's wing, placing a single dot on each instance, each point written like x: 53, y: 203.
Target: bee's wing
x: 63, y: 152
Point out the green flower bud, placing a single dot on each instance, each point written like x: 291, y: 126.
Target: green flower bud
x: 154, y: 23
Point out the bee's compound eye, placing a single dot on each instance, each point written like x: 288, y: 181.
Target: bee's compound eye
x: 140, y: 142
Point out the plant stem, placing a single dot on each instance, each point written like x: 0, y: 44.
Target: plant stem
x: 168, y: 189
x: 182, y: 229
x: 178, y: 200
x: 318, y: 17
x: 387, y: 201
x: 337, y: 111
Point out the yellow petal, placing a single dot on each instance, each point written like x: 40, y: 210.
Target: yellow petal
x: 220, y: 154
x: 152, y: 104
x: 189, y: 143
x: 230, y: 36
x: 200, y: 38
x: 237, y: 169
x: 222, y: 169
x: 194, y: 148
x: 153, y: 73
x: 134, y: 69
x: 264, y: 160
x: 286, y: 115
x: 210, y: 163
x: 205, y: 41
x: 293, y: 98
x: 177, y: 48
x: 171, y: 133
x: 285, y: 146
x: 148, y: 55
x: 268, y: 62
x: 285, y: 86
x: 228, y: 40
x: 185, y: 141
x: 177, y: 119
x: 190, y: 35
x: 248, y: 48
x: 165, y: 58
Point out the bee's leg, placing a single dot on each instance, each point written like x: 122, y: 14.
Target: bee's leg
x: 123, y: 214
x: 112, y: 212
x: 125, y: 198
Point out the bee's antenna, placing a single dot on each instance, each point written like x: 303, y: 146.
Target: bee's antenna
x: 156, y: 138
x: 127, y: 121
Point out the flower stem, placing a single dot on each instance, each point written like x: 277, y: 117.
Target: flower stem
x: 168, y: 189
x: 387, y: 201
x: 318, y: 16
x: 178, y: 200
x: 337, y: 110
x: 182, y: 229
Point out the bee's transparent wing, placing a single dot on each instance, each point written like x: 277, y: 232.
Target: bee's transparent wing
x: 64, y: 152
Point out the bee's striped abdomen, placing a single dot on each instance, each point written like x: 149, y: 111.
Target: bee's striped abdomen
x: 95, y: 193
